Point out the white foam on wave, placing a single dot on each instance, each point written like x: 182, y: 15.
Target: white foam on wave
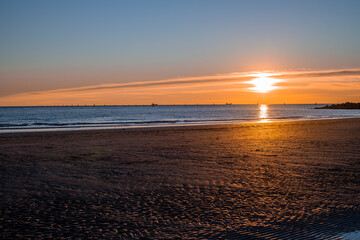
x: 351, y: 235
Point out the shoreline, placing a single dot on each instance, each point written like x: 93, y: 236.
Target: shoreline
x: 190, y: 125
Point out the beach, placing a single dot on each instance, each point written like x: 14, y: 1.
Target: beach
x: 274, y: 180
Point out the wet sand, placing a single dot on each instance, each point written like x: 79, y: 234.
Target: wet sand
x: 285, y: 180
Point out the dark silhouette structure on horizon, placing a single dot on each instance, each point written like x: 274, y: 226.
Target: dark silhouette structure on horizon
x: 347, y: 105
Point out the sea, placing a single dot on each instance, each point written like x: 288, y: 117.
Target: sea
x: 61, y: 118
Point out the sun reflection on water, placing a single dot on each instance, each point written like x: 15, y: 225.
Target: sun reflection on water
x: 263, y: 113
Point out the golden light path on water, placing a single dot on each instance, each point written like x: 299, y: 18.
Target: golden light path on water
x: 263, y: 113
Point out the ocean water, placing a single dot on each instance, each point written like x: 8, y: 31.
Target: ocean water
x: 22, y: 119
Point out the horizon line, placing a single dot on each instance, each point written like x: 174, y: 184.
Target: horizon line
x: 151, y: 104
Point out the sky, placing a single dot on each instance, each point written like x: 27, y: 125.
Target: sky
x: 178, y: 52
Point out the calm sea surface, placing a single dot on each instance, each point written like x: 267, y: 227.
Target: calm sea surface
x: 19, y: 119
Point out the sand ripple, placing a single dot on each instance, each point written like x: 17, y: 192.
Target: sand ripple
x: 208, y: 184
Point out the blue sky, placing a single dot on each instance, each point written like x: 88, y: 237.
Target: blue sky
x: 153, y: 40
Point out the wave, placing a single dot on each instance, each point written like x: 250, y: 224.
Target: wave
x: 116, y: 123
x: 46, y: 125
x: 287, y: 117
x: 140, y: 122
x: 2, y: 125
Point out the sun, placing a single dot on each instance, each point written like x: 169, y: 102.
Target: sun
x: 263, y: 82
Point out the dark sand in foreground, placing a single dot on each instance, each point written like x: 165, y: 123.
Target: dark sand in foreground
x: 286, y: 180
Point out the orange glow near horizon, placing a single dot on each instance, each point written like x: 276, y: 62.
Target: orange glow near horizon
x: 325, y: 86
x: 263, y: 83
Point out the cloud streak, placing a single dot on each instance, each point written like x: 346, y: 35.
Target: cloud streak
x: 210, y: 80
x: 319, y: 74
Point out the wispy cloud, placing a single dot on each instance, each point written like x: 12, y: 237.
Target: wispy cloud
x: 230, y: 78
x: 207, y: 80
x: 319, y: 74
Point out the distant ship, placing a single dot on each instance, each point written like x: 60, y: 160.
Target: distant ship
x: 154, y: 104
x: 228, y: 103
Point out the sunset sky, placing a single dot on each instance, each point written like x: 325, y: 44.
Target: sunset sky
x: 179, y: 52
